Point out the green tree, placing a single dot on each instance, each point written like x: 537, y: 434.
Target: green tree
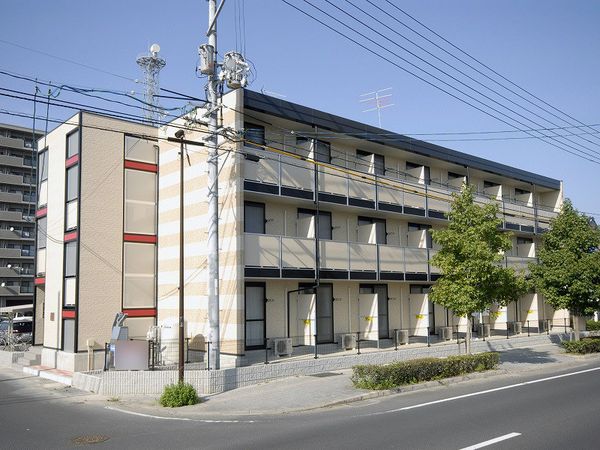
x: 568, y: 273
x: 470, y: 259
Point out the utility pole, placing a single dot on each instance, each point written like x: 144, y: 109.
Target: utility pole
x: 213, y: 195
x: 234, y: 72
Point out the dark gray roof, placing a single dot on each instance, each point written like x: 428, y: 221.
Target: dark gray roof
x: 292, y: 111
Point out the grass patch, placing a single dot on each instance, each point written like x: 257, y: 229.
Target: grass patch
x: 400, y: 373
x: 181, y: 394
x: 584, y: 346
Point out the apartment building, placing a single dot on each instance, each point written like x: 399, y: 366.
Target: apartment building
x: 324, y: 229
x: 17, y: 209
x: 96, y: 239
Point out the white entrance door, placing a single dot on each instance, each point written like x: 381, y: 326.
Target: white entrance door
x: 306, y: 321
x: 368, y: 316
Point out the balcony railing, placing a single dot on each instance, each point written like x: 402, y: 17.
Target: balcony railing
x: 284, y: 175
x: 292, y: 257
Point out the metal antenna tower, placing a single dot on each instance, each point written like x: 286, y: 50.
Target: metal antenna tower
x: 378, y: 101
x: 151, y: 65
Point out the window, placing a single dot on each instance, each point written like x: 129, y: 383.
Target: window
x: 426, y: 174
x: 419, y: 288
x: 521, y: 192
x: 254, y: 311
x: 68, y: 335
x: 372, y: 231
x: 306, y: 223
x: 254, y: 133
x: 374, y: 163
x: 522, y: 240
x: 489, y: 184
x: 73, y: 144
x: 71, y: 259
x: 139, y: 275
x: 416, y: 227
x: 72, y: 183
x: 322, y: 151
x: 42, y: 225
x: 140, y: 202
x: 454, y: 175
x: 139, y: 149
x: 254, y: 217
x: 43, y: 178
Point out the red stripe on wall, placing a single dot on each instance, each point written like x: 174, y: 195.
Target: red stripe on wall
x: 72, y: 161
x: 147, y: 312
x: 140, y: 238
x: 41, y: 212
x: 70, y: 236
x: 39, y: 280
x: 147, y: 167
x: 68, y: 314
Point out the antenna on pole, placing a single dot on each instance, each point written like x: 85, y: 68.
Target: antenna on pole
x: 151, y: 64
x: 378, y: 101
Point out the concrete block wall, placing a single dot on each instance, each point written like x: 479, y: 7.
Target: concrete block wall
x: 212, y: 382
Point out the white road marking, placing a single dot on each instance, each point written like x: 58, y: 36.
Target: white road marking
x: 183, y: 419
x: 492, y: 441
x: 487, y: 391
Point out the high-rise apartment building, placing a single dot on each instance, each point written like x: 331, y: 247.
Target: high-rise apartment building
x: 17, y: 214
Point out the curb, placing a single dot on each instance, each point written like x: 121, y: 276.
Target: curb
x: 414, y: 387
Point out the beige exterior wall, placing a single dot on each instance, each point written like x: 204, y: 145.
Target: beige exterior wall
x: 101, y: 225
x: 56, y: 144
x: 196, y: 231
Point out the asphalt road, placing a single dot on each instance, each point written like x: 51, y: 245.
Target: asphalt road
x: 549, y: 410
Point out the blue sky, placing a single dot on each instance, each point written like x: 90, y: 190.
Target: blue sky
x: 549, y: 48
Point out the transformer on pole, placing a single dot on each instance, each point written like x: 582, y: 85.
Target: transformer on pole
x: 151, y: 64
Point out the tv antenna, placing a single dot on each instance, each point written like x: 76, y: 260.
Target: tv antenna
x: 151, y: 64
x: 377, y: 101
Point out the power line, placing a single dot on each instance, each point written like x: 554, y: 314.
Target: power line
x: 70, y: 61
x: 449, y: 65
x: 579, y: 153
x: 483, y: 65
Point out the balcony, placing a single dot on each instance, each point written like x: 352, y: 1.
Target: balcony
x: 287, y: 257
x: 12, y: 291
x: 290, y: 177
x: 11, y: 197
x: 14, y: 161
x: 519, y: 263
x: 15, y: 272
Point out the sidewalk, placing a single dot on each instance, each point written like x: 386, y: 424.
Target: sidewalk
x: 303, y: 393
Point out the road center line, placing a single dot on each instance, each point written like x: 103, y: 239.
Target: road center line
x: 492, y: 441
x: 487, y: 391
x: 183, y: 419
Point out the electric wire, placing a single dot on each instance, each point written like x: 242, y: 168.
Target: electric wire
x: 478, y: 61
x: 544, y: 138
x: 449, y: 65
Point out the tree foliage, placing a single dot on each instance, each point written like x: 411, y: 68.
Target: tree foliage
x: 473, y: 277
x: 568, y: 273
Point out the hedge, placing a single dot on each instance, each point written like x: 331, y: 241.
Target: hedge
x: 592, y: 325
x: 586, y: 345
x: 418, y: 370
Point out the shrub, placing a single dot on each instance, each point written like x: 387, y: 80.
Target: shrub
x: 181, y: 394
x: 418, y: 370
x: 592, y: 325
x: 586, y: 345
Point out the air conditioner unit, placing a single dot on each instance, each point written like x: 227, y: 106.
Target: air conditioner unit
x: 516, y: 327
x: 282, y: 347
x: 445, y: 333
x: 401, y: 337
x: 348, y: 341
